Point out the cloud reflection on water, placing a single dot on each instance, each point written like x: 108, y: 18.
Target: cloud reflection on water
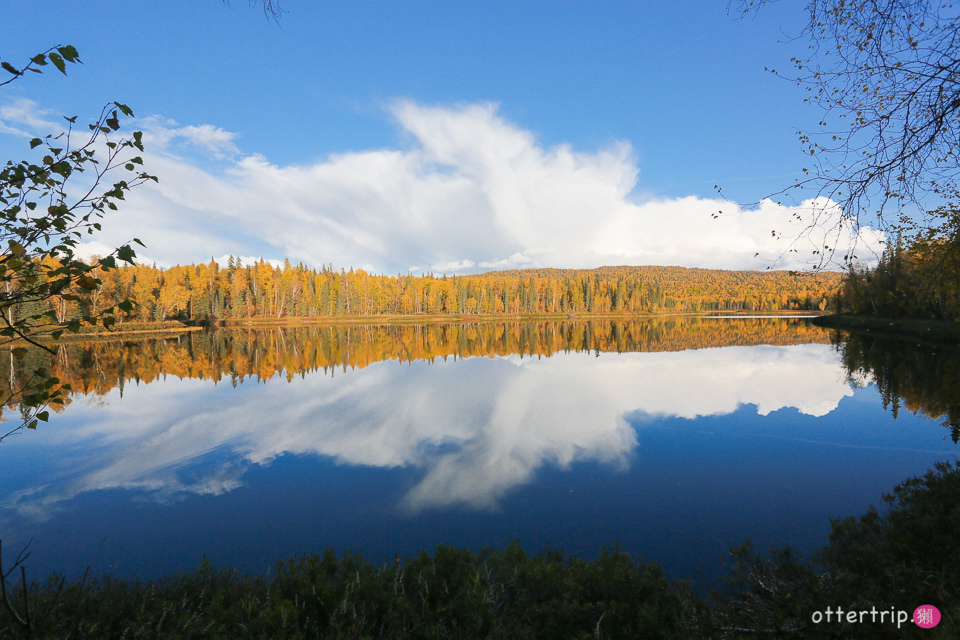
x: 476, y: 428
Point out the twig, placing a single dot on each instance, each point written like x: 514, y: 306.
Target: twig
x: 3, y: 591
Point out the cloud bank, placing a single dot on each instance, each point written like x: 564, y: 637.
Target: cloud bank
x: 468, y: 191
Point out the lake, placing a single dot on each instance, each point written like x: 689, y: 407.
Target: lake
x: 675, y: 438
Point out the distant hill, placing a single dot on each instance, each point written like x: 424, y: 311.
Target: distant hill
x: 696, y: 289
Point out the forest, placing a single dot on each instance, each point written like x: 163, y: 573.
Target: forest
x: 208, y: 293
x: 917, y: 277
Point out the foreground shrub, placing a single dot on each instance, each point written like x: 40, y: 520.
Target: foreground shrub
x: 452, y: 593
x: 890, y: 561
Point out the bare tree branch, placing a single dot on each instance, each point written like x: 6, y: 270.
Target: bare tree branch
x: 271, y: 8
x: 886, y: 74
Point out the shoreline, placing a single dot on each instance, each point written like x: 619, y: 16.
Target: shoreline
x: 169, y: 328
x: 934, y: 331
x: 500, y: 317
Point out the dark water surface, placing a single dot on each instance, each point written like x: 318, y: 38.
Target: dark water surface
x: 675, y: 438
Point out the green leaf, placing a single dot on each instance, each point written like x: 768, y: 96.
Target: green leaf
x: 69, y: 53
x: 126, y: 254
x: 57, y: 61
x: 40, y: 60
x: 62, y: 168
x: 36, y: 142
x: 9, y: 67
x: 43, y: 416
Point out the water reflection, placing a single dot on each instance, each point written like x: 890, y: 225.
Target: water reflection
x: 473, y: 428
x: 677, y: 437
x: 923, y: 378
x: 261, y: 354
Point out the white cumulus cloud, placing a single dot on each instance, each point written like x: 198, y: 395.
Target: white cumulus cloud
x: 467, y: 191
x: 25, y: 118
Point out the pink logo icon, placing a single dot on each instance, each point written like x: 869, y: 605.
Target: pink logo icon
x: 926, y: 616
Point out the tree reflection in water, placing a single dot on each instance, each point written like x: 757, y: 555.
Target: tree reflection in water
x: 97, y: 367
x: 923, y: 378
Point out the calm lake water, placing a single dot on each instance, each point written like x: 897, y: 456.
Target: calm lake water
x: 675, y: 438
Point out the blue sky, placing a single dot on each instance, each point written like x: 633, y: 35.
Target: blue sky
x: 435, y: 136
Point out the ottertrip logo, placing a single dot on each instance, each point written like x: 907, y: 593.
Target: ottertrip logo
x: 926, y: 616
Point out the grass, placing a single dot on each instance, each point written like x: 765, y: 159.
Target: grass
x: 452, y: 593
x: 140, y: 330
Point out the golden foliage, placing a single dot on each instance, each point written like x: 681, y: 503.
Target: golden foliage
x: 207, y: 292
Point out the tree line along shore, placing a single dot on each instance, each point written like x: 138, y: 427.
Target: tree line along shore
x: 208, y: 293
